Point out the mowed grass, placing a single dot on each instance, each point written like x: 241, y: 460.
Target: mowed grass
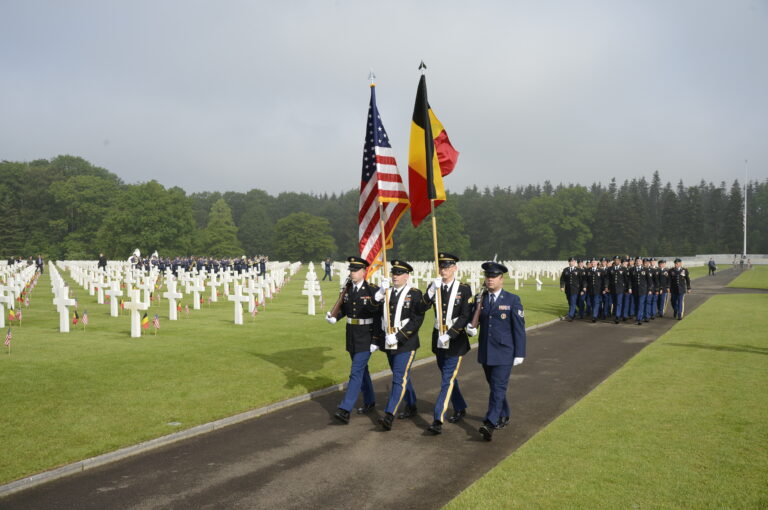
x: 69, y: 396
x: 684, y: 424
x: 755, y: 278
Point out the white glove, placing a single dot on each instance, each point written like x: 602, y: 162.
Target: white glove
x: 434, y: 284
x: 385, y: 283
x: 471, y: 331
x: 517, y: 361
x: 391, y: 341
x: 379, y: 296
x: 331, y: 320
x: 374, y: 348
x: 442, y: 341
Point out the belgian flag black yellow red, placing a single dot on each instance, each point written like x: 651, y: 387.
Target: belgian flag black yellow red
x: 430, y: 157
x: 145, y: 321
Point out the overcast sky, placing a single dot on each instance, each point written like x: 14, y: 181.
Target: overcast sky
x: 234, y: 95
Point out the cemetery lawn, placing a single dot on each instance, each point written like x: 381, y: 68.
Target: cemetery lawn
x: 755, y: 278
x: 684, y: 424
x: 70, y: 396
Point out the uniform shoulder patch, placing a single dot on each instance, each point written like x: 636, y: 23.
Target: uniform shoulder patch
x: 521, y: 313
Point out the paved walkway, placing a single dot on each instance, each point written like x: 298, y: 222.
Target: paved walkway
x: 300, y: 457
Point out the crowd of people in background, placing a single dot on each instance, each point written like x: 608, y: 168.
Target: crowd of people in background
x: 210, y: 264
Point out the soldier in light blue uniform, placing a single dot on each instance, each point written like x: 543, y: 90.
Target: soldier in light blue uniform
x: 501, y: 344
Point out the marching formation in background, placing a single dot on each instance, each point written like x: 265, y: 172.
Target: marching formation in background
x: 620, y: 292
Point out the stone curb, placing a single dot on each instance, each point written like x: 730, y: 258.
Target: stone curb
x: 152, y: 444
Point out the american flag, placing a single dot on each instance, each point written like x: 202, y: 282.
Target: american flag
x: 8, y: 337
x: 156, y: 321
x: 380, y: 182
x: 85, y: 318
x: 18, y: 315
x: 186, y: 309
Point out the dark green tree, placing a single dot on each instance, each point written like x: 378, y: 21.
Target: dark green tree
x: 220, y: 235
x: 303, y: 237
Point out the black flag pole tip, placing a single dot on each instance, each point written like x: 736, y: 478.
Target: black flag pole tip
x: 422, y: 67
x: 372, y: 77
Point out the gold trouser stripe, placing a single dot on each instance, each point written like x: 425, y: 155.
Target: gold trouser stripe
x: 682, y: 305
x: 450, y: 389
x: 666, y: 300
x: 405, y: 381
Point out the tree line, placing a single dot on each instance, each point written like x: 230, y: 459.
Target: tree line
x: 66, y: 208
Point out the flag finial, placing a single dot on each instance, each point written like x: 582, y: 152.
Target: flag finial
x: 422, y: 67
x: 372, y: 77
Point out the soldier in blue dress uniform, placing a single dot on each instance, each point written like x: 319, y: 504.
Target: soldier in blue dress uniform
x: 663, y: 287
x: 570, y: 283
x: 362, y: 336
x: 406, y: 313
x: 679, y: 286
x: 639, y: 288
x: 501, y: 343
x: 593, y: 287
x: 451, y: 346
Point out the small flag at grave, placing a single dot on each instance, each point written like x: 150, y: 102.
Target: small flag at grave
x: 156, y: 322
x: 122, y: 305
x: 186, y: 309
x: 8, y: 337
x: 178, y: 307
x: 19, y: 316
x: 255, y: 311
x: 85, y: 318
x: 145, y: 321
x: 75, y: 318
x: 11, y: 315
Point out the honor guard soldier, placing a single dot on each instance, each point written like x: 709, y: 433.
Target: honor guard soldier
x: 401, y: 339
x: 501, y: 344
x: 570, y: 283
x: 581, y: 301
x: 593, y: 287
x: 639, y: 285
x: 613, y: 303
x: 363, y: 334
x: 679, y: 286
x: 663, y: 287
x: 651, y: 301
x: 449, y: 342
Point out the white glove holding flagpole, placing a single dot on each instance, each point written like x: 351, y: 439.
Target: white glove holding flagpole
x: 331, y: 320
x: 379, y: 296
x: 517, y: 361
x: 391, y: 341
x: 470, y: 330
x: 374, y: 348
x: 434, y: 284
x: 443, y: 341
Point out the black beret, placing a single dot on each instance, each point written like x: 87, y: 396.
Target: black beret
x: 678, y: 260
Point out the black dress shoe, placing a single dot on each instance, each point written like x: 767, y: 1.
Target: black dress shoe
x: 407, y: 412
x: 639, y: 323
x: 503, y: 421
x: 436, y: 428
x: 570, y: 319
x: 342, y: 415
x: 645, y: 320
x: 457, y: 416
x: 616, y: 321
x: 367, y: 408
x: 487, y: 432
x: 386, y: 421
x: 594, y: 320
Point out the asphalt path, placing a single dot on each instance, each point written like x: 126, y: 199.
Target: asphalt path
x: 300, y: 457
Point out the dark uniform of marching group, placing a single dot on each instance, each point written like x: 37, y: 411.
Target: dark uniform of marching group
x: 639, y: 289
x: 388, y: 319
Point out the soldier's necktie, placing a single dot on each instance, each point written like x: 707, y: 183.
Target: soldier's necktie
x: 492, y: 300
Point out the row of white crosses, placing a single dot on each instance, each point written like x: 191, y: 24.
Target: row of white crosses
x: 248, y: 287
x: 13, y: 281
x: 60, y: 297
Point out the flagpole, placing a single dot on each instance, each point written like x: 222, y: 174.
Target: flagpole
x: 430, y: 185
x: 438, y: 294
x: 390, y: 329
